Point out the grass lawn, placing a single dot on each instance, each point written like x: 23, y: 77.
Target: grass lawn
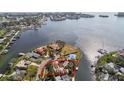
x: 69, y: 49
x: 107, y: 58
x: 31, y: 73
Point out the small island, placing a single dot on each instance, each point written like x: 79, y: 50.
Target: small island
x: 110, y: 67
x: 56, y: 61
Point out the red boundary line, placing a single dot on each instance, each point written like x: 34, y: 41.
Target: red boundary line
x: 74, y: 71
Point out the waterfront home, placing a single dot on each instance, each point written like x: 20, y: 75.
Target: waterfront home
x: 2, y: 40
x: 41, y: 50
x: 9, y: 33
x: 33, y: 55
x: 58, y: 68
x: 23, y: 64
x: 21, y: 73
x: 54, y: 46
x: 55, y: 66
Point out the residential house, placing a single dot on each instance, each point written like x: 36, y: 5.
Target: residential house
x: 23, y: 64
x: 34, y: 55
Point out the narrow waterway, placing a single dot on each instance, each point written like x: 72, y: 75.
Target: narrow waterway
x: 90, y: 34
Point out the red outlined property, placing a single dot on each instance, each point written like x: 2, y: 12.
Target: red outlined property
x: 51, y: 61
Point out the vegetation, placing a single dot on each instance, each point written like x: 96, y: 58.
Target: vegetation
x: 1, y: 46
x: 3, y: 32
x: 68, y: 49
x: 14, y: 61
x: 107, y: 58
x: 32, y: 70
x: 114, y: 73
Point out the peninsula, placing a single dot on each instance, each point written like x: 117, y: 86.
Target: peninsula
x: 56, y: 61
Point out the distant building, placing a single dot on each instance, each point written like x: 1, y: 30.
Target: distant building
x: 120, y: 14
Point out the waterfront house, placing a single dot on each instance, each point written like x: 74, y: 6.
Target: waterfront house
x: 2, y: 40
x: 23, y: 64
x: 21, y: 73
x: 41, y: 50
x: 33, y: 55
x: 58, y: 68
x: 9, y: 33
x: 54, y: 46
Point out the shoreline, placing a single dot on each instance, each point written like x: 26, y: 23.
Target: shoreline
x: 67, y: 49
x: 9, y: 42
